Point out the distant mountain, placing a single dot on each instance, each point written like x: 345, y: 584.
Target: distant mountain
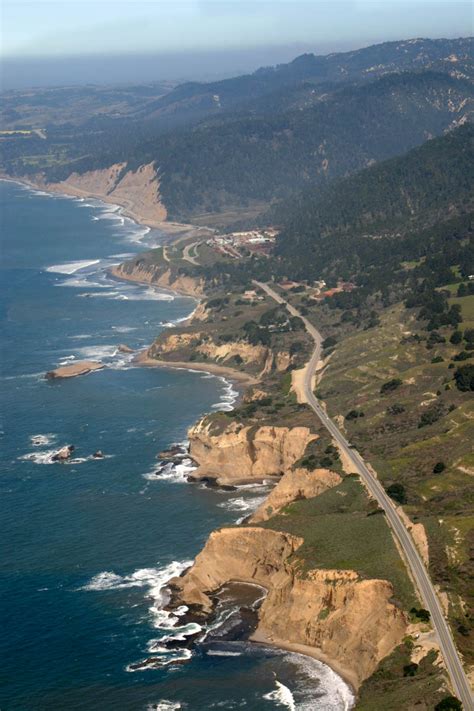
x: 243, y: 157
x: 195, y: 99
x: 358, y: 219
x: 231, y: 148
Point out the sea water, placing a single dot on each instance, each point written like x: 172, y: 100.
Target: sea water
x: 88, y: 546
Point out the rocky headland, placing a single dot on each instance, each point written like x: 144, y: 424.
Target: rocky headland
x: 294, y: 485
x: 338, y: 616
x: 241, y: 453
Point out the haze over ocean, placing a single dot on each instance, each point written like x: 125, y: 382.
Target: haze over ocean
x: 88, y: 545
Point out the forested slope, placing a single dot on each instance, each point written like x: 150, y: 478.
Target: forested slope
x: 365, y: 215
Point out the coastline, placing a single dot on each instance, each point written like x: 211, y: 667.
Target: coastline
x: 241, y: 379
x: 212, y: 368
x: 261, y: 637
x: 167, y: 227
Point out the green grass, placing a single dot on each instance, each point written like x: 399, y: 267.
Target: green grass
x: 389, y: 690
x: 467, y: 307
x: 341, y: 531
x: 397, y: 448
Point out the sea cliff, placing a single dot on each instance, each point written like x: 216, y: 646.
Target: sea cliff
x: 144, y: 272
x: 350, y: 622
x: 241, y: 453
x: 340, y: 596
x: 137, y: 190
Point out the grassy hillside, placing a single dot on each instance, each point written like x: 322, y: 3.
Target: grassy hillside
x: 417, y: 434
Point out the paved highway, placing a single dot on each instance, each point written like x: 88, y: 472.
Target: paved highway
x: 453, y: 663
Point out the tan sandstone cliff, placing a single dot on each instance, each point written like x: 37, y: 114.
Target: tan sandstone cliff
x: 346, y: 620
x: 147, y: 273
x: 295, y: 484
x: 241, y: 453
x: 138, y: 191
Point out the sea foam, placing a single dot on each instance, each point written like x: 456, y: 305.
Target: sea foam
x: 71, y: 267
x: 282, y: 695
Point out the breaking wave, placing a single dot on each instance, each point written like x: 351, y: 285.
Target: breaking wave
x: 71, y: 267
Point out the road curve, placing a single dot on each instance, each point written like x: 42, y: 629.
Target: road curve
x: 459, y: 681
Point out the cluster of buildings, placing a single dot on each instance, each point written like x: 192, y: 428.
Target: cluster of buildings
x: 255, y: 241
x: 317, y: 290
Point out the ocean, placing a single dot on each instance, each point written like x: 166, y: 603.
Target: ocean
x: 87, y: 546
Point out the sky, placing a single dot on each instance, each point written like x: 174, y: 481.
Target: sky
x: 216, y: 36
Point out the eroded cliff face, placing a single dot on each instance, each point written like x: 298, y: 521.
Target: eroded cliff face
x: 147, y: 273
x: 242, y: 453
x: 175, y: 343
x: 295, y: 484
x: 347, y: 620
x: 138, y: 191
x: 224, y: 352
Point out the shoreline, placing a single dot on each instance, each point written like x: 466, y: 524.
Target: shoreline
x: 144, y: 360
x: 227, y: 373
x: 168, y: 228
x: 113, y: 272
x: 261, y: 637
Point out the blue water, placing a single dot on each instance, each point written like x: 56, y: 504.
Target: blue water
x: 86, y: 546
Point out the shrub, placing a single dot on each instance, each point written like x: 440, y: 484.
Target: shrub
x: 449, y: 703
x: 296, y: 323
x: 326, y: 462
x: 264, y: 401
x: 430, y: 416
x: 329, y: 342
x: 435, y: 337
x: 395, y: 409
x: 410, y: 669
x: 354, y: 414
x: 439, y: 467
x: 469, y: 335
x: 437, y: 359
x: 463, y: 355
x: 296, y: 347
x: 456, y: 337
x: 390, y: 385
x: 421, y: 614
x: 397, y: 493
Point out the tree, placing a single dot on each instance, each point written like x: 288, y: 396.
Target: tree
x: 456, y: 337
x: 439, y: 467
x: 469, y: 335
x: 464, y: 377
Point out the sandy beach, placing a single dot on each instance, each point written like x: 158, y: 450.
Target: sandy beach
x: 212, y: 368
x: 262, y: 637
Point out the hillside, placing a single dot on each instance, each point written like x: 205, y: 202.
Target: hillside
x: 360, y: 220
x: 267, y: 135
x: 198, y: 99
x: 245, y: 159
